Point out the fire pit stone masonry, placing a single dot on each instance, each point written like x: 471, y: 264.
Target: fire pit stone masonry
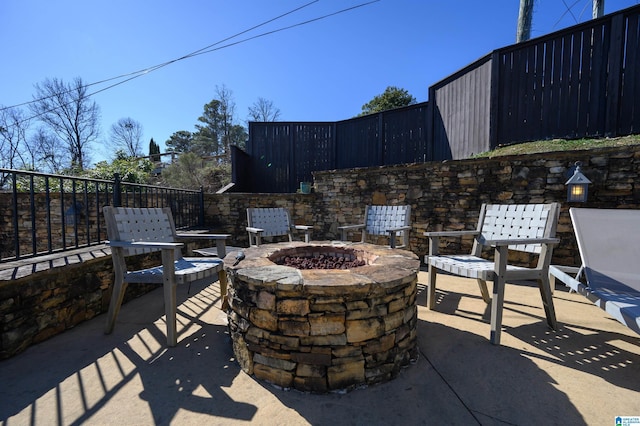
x: 323, y: 330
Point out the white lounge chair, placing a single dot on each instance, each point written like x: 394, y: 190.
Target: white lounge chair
x: 610, y: 252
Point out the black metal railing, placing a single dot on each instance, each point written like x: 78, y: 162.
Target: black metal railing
x: 45, y: 213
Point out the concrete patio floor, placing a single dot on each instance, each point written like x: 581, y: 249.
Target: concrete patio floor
x: 586, y: 373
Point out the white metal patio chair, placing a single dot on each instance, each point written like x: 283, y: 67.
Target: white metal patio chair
x: 610, y: 252
x: 272, y: 222
x: 134, y: 231
x: 529, y: 228
x: 392, y: 221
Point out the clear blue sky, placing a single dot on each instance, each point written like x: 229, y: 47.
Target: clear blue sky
x: 321, y: 71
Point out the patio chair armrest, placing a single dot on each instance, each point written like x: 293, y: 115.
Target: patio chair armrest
x: 346, y: 228
x: 307, y: 231
x: 557, y: 272
x: 254, y: 230
x: 351, y: 227
x: 203, y: 236
x: 220, y: 239
x: 449, y: 233
x: 399, y: 228
x: 392, y: 234
x: 145, y: 244
x: 522, y: 241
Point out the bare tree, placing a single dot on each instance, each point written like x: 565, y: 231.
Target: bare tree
x: 263, y: 110
x: 127, y: 134
x: 70, y: 114
x: 13, y: 128
x: 48, y: 152
x: 227, y: 112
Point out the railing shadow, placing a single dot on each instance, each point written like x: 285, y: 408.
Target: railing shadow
x: 84, y: 375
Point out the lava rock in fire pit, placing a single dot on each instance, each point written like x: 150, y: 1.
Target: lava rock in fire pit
x: 320, y: 262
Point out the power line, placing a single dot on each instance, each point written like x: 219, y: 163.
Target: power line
x: 155, y: 67
x: 207, y: 49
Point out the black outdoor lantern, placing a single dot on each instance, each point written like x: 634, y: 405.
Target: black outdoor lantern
x: 577, y: 186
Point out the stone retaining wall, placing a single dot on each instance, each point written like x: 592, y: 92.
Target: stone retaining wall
x: 444, y: 195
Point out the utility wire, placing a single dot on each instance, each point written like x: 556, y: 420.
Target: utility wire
x: 567, y: 11
x: 155, y: 67
x: 208, y: 49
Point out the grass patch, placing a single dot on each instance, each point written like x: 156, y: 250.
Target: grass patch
x: 559, y: 145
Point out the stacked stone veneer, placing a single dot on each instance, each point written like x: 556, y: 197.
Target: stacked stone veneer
x: 443, y: 195
x: 323, y: 330
x: 446, y: 195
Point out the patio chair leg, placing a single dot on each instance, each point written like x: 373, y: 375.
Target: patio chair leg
x: 222, y: 276
x: 119, y: 287
x: 431, y: 287
x: 170, y: 299
x: 497, y: 301
x: 484, y: 291
x: 547, y: 302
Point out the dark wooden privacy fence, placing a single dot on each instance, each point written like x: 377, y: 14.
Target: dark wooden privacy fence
x: 576, y: 83
x: 281, y: 155
x: 583, y: 81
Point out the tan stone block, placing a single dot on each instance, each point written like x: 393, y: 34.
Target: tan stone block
x: 299, y: 307
x: 257, y: 333
x: 312, y: 358
x: 294, y: 328
x: 273, y: 375
x: 266, y: 301
x: 347, y: 351
x: 282, y: 364
x: 322, y: 325
x: 393, y: 321
x: 357, y: 304
x: 329, y: 340
x: 374, y: 312
x: 345, y: 375
x: 382, y: 344
x: 361, y: 330
x: 311, y: 384
x: 327, y: 307
x: 263, y: 319
x: 243, y: 355
x: 410, y: 313
x: 289, y: 342
x: 307, y: 370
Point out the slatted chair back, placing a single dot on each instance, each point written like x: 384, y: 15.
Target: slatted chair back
x: 516, y: 222
x: 393, y: 222
x: 141, y: 224
x: 274, y: 221
x: 379, y: 219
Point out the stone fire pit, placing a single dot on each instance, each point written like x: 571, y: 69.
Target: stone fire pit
x: 322, y: 330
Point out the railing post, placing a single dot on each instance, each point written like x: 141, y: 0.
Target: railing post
x: 117, y: 190
x: 201, y: 215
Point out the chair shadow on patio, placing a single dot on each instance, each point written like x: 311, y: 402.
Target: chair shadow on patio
x: 86, y: 375
x: 574, y: 345
x: 592, y: 351
x: 451, y: 383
